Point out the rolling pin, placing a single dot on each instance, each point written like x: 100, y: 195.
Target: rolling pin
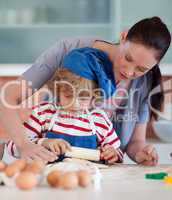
x: 84, y: 153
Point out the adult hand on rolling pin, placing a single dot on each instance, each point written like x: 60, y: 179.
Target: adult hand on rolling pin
x: 57, y: 146
x: 31, y: 151
x: 147, y: 156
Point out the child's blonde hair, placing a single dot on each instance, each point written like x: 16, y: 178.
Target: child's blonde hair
x: 81, y: 85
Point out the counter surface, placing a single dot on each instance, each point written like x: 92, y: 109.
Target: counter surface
x: 119, y: 182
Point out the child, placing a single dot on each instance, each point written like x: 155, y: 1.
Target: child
x: 72, y: 120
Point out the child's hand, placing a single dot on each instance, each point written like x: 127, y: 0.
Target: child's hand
x: 109, y: 154
x: 147, y: 156
x: 57, y: 146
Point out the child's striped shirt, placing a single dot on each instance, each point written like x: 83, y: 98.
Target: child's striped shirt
x: 65, y: 123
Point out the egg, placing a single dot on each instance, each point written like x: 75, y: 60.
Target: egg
x: 21, y: 164
x: 15, y: 167
x: 35, y: 167
x: 2, y: 166
x: 84, y: 178
x: 53, y: 178
x: 26, y: 181
x: 68, y: 181
x: 11, y: 170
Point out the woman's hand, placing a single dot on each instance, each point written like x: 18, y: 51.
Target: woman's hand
x: 57, y: 146
x: 31, y: 151
x: 109, y: 154
x: 147, y: 156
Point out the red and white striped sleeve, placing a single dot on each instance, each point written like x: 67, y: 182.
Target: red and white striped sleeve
x: 106, y: 134
x: 38, y: 121
x: 33, y: 126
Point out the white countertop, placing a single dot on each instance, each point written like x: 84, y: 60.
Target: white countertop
x: 18, y: 69
x: 121, y: 182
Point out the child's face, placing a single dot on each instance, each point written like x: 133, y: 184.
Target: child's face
x: 73, y: 103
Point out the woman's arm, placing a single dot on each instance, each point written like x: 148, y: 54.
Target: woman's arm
x: 138, y: 150
x: 137, y: 141
x: 13, y: 96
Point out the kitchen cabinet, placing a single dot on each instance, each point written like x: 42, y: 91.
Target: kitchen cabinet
x: 29, y: 27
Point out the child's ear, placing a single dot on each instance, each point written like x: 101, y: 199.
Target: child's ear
x: 123, y: 36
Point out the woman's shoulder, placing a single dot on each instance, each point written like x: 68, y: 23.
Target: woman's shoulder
x: 78, y: 42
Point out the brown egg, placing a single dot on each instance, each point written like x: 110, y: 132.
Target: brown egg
x: 53, y: 178
x: 34, y: 167
x: 21, y: 164
x: 68, y: 180
x: 26, y: 181
x: 2, y: 166
x: 11, y: 170
x: 84, y: 178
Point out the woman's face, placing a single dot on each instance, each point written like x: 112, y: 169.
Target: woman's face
x: 133, y: 60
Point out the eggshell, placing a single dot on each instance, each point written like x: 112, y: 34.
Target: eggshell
x: 53, y: 178
x: 2, y: 166
x: 26, y: 181
x: 11, y: 170
x: 68, y: 180
x: 34, y: 167
x: 84, y: 178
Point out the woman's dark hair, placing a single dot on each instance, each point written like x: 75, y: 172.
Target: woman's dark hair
x: 153, y: 34
x: 156, y: 100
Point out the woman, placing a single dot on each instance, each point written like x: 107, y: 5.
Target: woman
x: 134, y: 60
